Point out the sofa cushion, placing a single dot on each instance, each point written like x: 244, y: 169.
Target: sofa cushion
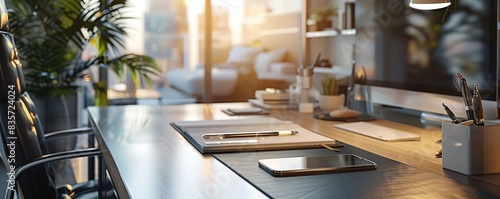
x: 285, y: 68
x: 264, y: 60
x: 242, y: 54
x: 192, y: 82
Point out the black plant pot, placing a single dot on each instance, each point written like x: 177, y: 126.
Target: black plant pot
x: 60, y: 113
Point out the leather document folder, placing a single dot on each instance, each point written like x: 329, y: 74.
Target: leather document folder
x: 196, y: 132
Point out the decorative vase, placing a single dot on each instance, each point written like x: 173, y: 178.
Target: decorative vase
x: 330, y: 102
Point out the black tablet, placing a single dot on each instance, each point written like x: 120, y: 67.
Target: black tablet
x: 293, y: 166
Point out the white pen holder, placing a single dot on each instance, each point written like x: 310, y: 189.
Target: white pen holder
x: 471, y: 150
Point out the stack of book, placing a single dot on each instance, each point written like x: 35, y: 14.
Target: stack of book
x: 271, y: 99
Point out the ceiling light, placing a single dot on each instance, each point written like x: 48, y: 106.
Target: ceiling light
x: 429, y: 4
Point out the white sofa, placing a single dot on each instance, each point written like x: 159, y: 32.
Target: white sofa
x: 246, y: 69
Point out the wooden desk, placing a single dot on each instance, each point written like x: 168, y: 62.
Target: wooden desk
x: 147, y: 158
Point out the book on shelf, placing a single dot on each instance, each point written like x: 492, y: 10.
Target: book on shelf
x: 276, y: 102
x: 350, y: 22
x: 276, y: 96
x: 272, y: 105
x: 201, y: 135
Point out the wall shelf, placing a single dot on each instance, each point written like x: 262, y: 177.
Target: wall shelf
x: 330, y: 33
x: 325, y: 33
x: 337, y: 71
x: 335, y: 44
x: 348, y: 32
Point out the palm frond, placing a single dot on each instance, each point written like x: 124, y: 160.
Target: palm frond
x: 52, y: 34
x: 140, y: 66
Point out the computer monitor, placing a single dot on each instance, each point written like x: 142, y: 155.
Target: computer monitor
x: 410, y: 57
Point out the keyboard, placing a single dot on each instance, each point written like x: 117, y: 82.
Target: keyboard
x: 378, y: 132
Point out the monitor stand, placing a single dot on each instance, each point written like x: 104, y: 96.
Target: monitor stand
x: 408, y: 116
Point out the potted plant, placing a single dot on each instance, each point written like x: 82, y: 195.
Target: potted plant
x: 330, y: 99
x: 52, y: 36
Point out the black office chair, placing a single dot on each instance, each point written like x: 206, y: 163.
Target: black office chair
x: 21, y: 130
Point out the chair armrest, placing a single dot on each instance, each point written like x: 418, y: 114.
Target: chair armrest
x: 69, y: 132
x: 58, y: 156
x: 80, y: 188
x: 285, y: 68
x: 51, y: 158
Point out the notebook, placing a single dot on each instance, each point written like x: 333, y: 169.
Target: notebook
x: 194, y: 132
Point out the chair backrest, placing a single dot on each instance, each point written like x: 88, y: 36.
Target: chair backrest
x: 13, y: 76
x: 20, y: 126
x: 3, y: 16
x: 3, y: 27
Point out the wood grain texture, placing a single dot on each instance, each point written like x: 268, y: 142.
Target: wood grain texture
x: 154, y: 161
x: 147, y: 158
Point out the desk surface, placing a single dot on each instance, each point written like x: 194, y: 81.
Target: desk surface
x: 147, y: 158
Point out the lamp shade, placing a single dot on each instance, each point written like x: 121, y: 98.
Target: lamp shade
x: 429, y: 4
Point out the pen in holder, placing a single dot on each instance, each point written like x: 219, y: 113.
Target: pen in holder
x: 471, y: 150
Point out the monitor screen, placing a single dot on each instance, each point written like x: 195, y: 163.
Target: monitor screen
x: 421, y: 51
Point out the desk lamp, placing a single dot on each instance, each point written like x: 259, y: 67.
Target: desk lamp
x: 429, y: 4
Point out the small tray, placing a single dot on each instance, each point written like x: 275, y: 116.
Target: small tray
x: 362, y: 117
x: 230, y: 113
